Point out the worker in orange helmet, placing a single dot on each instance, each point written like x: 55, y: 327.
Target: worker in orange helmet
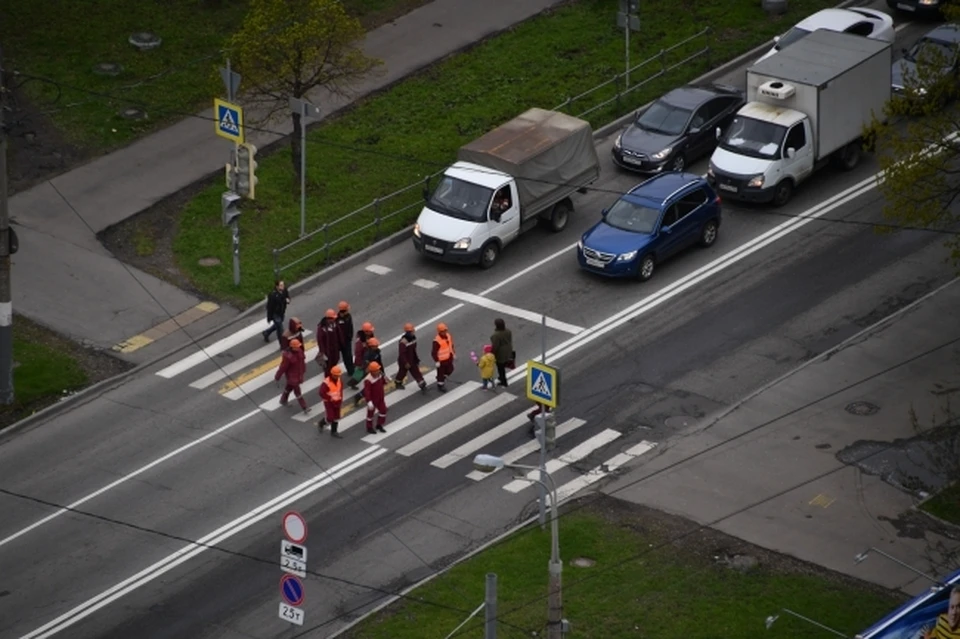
x: 331, y: 392
x: 408, y: 361
x: 328, y: 342
x: 293, y: 366
x: 359, y: 348
x: 370, y: 354
x: 443, y: 354
x: 374, y: 391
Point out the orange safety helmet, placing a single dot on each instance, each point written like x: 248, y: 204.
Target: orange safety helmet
x: 335, y: 371
x: 441, y: 327
x: 343, y: 306
x: 295, y: 343
x: 408, y: 327
x: 373, y: 367
x: 373, y: 342
x: 331, y: 314
x: 367, y: 327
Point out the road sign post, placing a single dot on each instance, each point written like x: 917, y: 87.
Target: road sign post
x: 229, y: 120
x: 295, y: 527
x: 293, y: 558
x: 293, y: 562
x: 303, y: 109
x: 291, y: 589
x: 629, y: 20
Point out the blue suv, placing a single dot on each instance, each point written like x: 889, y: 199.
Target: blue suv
x: 654, y: 220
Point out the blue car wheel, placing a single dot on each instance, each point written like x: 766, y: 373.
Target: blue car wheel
x: 646, y: 268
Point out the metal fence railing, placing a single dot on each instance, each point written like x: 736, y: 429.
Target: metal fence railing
x: 323, y: 243
x: 620, y: 86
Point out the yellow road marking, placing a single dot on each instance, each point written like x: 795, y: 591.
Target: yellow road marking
x: 822, y: 500
x: 243, y: 378
x: 134, y: 343
x: 349, y: 407
x: 166, y: 327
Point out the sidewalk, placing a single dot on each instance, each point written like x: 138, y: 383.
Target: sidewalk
x: 65, y: 279
x: 814, y: 507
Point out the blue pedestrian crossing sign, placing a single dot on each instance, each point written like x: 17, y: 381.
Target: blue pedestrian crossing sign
x: 229, y: 122
x: 543, y: 384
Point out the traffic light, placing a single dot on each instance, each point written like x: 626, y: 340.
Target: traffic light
x: 246, y: 171
x: 230, y: 203
x: 230, y: 173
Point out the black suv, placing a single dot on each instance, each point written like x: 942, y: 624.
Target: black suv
x: 677, y: 129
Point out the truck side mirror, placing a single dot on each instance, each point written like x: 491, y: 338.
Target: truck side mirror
x: 426, y: 194
x: 496, y: 214
x: 776, y: 39
x: 718, y: 132
x: 604, y: 212
x: 791, y: 152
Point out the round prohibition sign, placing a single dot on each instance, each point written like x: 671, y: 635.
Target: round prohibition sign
x: 291, y: 589
x: 295, y: 527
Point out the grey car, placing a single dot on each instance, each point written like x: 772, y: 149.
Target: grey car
x: 943, y: 43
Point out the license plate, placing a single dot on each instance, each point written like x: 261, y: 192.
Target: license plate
x: 595, y: 263
x: 629, y: 159
x: 727, y: 187
x: 906, y: 7
x: 433, y: 249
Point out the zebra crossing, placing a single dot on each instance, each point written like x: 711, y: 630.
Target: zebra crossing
x: 446, y: 430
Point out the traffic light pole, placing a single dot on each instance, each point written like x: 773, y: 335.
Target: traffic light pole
x: 543, y: 430
x: 236, y: 251
x: 6, y: 305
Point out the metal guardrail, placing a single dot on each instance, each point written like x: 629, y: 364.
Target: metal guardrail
x: 620, y: 79
x: 375, y: 208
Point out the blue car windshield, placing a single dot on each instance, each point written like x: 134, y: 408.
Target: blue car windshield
x: 630, y: 216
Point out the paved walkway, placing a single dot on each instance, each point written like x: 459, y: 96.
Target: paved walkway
x: 65, y: 279
x: 784, y: 444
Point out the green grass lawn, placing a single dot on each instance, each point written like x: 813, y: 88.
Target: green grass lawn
x: 945, y: 504
x: 64, y: 39
x: 360, y: 156
x: 677, y: 590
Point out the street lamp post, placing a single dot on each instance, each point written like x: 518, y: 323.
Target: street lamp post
x: 556, y: 625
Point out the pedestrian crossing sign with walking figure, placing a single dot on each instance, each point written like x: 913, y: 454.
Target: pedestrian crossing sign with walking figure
x: 543, y: 384
x: 229, y: 120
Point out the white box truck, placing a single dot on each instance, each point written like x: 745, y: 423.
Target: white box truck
x: 503, y: 183
x: 806, y: 105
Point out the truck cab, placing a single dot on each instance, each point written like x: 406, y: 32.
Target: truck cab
x: 471, y: 207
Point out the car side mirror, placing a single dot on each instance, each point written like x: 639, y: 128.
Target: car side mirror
x: 904, y: 51
x: 604, y: 212
x: 776, y: 39
x: 718, y: 132
x: 694, y: 130
x: 791, y: 152
x: 665, y: 230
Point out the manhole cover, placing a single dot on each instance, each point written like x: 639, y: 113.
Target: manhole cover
x: 209, y: 261
x: 133, y: 113
x: 107, y: 68
x: 145, y: 40
x: 583, y: 562
x: 679, y: 421
x: 863, y: 409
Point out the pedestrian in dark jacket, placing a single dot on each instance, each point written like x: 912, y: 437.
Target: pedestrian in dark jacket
x: 294, y: 331
x: 328, y: 342
x: 277, y: 302
x: 345, y: 334
x: 294, y: 367
x: 370, y: 354
x: 408, y: 361
x: 359, y: 348
x: 502, y: 342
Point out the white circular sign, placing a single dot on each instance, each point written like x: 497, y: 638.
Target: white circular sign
x: 295, y: 527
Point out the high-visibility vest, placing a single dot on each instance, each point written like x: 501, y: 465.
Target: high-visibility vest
x: 334, y: 389
x: 445, y: 351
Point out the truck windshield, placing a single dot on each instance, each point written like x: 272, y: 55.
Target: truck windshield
x: 631, y: 216
x: 754, y: 138
x: 663, y: 118
x: 460, y: 199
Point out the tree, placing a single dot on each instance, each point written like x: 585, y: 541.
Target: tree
x: 287, y: 48
x: 917, y: 146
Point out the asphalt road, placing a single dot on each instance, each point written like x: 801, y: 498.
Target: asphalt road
x: 157, y: 463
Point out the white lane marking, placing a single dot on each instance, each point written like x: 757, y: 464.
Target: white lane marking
x: 505, y: 309
x: 453, y: 426
x: 574, y: 486
x: 901, y: 27
x: 213, y: 350
x: 421, y: 413
x: 529, y: 447
x: 267, y: 350
x: 528, y: 269
x: 427, y: 284
x: 572, y: 456
x: 379, y: 270
x: 191, y: 550
x: 480, y: 441
x: 359, y: 414
x: 127, y: 477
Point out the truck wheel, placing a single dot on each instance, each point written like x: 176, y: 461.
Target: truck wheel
x: 849, y: 156
x: 489, y: 254
x: 708, y: 234
x: 559, y: 216
x: 647, y: 266
x: 783, y: 193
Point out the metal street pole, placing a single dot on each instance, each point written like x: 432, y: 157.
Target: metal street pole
x: 626, y: 37
x: 490, y: 608
x: 543, y: 426
x: 303, y: 109
x: 555, y: 624
x: 6, y: 305
x: 236, y: 252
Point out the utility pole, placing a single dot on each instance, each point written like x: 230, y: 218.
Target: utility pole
x: 303, y: 109
x: 628, y: 19
x: 542, y: 418
x: 490, y: 608
x: 6, y: 304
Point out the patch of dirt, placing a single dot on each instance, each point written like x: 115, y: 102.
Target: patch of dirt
x: 98, y: 365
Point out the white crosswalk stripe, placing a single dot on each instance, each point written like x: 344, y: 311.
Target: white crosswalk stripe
x: 265, y: 351
x: 572, y: 456
x: 425, y: 411
x: 453, y: 426
x: 571, y: 488
x: 247, y: 388
x: 213, y: 350
x: 478, y: 442
x: 525, y: 449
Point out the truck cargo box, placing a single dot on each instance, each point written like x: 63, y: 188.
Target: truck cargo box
x: 839, y: 81
x: 549, y: 154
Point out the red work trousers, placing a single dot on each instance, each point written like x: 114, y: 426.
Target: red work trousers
x: 380, y: 412
x: 296, y: 392
x: 444, y: 371
x: 332, y: 411
x: 414, y: 373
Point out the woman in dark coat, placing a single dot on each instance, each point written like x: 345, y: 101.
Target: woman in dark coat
x: 502, y: 342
